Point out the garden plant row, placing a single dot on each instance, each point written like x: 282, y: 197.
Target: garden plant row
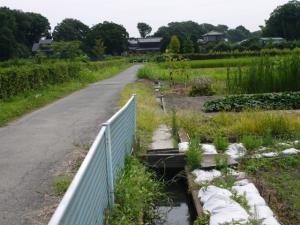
x: 268, y: 101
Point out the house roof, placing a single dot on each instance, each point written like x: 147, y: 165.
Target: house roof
x: 35, y: 47
x: 45, y: 41
x: 150, y: 40
x: 272, y: 38
x: 213, y: 33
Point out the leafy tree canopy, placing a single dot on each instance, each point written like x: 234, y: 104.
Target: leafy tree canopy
x: 70, y: 30
x: 144, y: 29
x: 19, y: 30
x: 284, y: 21
x: 114, y: 37
x: 174, y: 46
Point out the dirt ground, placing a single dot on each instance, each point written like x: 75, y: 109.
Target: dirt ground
x: 187, y: 103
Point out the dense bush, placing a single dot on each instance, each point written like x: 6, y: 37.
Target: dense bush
x: 265, y: 74
x: 16, y: 80
x: 269, y: 101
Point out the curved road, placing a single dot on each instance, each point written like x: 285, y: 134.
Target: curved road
x: 31, y: 147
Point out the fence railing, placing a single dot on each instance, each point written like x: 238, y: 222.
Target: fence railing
x: 92, y: 189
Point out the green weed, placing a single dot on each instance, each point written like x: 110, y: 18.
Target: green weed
x: 61, y: 184
x: 221, y: 143
x: 194, y: 154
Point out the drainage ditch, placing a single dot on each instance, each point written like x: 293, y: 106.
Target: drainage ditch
x: 180, y: 208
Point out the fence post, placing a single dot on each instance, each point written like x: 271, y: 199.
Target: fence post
x: 110, y: 175
x: 135, y: 103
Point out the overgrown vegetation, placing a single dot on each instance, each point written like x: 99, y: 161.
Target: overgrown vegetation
x: 237, y: 125
x: 136, y: 196
x: 279, y: 182
x: 266, y: 75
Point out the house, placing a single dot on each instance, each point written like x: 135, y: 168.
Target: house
x: 212, y: 36
x: 273, y: 40
x: 144, y: 45
x: 43, y: 46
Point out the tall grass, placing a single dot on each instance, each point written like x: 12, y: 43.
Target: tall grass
x: 239, y: 124
x: 266, y: 75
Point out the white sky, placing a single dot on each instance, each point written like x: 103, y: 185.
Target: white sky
x: 250, y: 13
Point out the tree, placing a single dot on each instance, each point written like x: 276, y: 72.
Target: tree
x: 113, y: 35
x: 18, y: 32
x: 66, y: 50
x: 70, y: 30
x: 188, y: 46
x: 144, y: 29
x: 284, y: 21
x: 174, y: 46
x: 99, y: 49
x: 238, y: 34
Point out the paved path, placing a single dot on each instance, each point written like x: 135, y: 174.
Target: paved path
x: 32, y: 146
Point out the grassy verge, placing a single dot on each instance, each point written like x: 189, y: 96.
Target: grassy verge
x: 149, y: 115
x: 137, y: 194
x: 279, y: 181
x: 26, y: 102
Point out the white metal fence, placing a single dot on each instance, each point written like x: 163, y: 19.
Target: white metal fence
x: 92, y: 189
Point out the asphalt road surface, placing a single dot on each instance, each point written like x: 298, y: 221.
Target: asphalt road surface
x: 33, y: 145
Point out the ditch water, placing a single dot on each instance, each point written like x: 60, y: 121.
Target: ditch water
x: 180, y: 210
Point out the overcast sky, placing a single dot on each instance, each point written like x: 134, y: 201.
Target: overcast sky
x: 250, y: 13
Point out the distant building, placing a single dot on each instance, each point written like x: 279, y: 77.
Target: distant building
x: 212, y: 36
x: 274, y: 40
x: 144, y: 45
x: 44, y: 46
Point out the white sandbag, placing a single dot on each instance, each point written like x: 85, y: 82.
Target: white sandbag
x: 270, y: 154
x: 205, y: 193
x: 236, y: 151
x: 271, y: 221
x: 183, y: 146
x: 262, y: 148
x: 239, y: 175
x: 241, y: 182
x: 246, y: 189
x: 261, y: 212
x: 216, y: 202
x: 209, y: 149
x: 290, y: 151
x: 203, y: 176
x: 232, y: 213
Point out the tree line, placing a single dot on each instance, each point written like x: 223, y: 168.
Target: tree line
x: 19, y: 30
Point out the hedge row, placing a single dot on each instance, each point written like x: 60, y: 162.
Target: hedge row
x: 15, y: 80
x: 18, y: 79
x: 269, y: 101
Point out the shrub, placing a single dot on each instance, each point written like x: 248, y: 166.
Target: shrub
x: 194, y: 154
x: 221, y: 143
x: 201, y: 86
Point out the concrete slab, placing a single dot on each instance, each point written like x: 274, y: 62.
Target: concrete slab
x: 162, y: 138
